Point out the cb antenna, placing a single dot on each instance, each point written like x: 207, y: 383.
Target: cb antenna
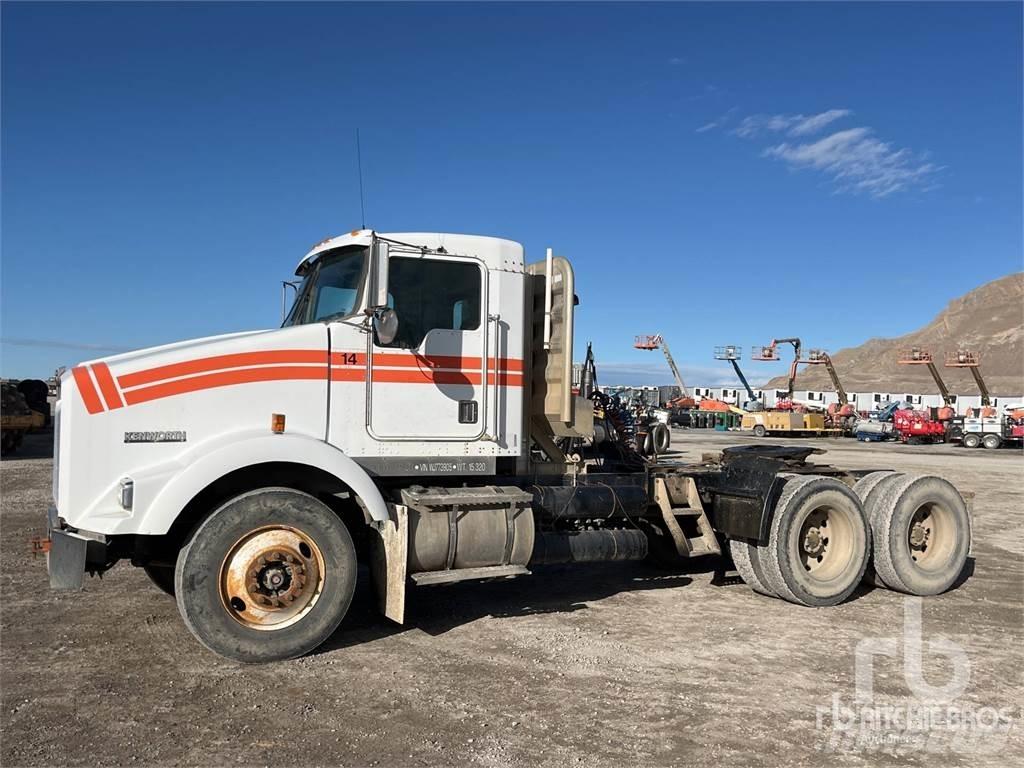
x: 359, y: 162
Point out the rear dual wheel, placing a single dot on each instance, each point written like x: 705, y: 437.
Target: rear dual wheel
x: 818, y: 546
x: 267, y: 576
x: 921, y: 530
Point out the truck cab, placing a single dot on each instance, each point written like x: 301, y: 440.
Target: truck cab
x: 415, y: 412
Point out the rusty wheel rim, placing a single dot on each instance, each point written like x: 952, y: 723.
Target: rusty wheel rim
x: 271, y: 577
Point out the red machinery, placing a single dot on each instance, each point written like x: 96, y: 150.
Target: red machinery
x: 918, y: 427
x: 927, y: 427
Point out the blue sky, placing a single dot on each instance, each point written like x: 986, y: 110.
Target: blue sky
x: 718, y: 173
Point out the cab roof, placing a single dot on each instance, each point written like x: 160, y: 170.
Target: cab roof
x: 497, y: 253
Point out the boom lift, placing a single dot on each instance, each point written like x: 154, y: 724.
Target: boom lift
x: 733, y: 353
x: 771, y: 354
x: 658, y: 341
x: 841, y: 415
x: 985, y: 426
x: 963, y: 358
x: 416, y: 413
x: 939, y: 424
x: 920, y: 356
x: 786, y: 417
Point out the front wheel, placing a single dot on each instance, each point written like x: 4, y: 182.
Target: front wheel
x: 267, y: 576
x: 759, y: 430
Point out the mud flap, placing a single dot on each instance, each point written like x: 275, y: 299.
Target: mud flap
x: 65, y: 561
x: 389, y: 562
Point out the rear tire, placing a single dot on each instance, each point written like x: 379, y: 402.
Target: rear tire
x: 747, y: 560
x: 759, y: 430
x: 991, y: 441
x: 865, y: 485
x: 820, y: 542
x: 162, y: 576
x: 922, y: 535
x: 972, y: 440
x: 868, y: 489
x: 267, y: 576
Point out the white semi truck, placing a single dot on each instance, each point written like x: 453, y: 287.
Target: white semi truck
x: 416, y: 412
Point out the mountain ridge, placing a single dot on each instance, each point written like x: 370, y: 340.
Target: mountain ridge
x: 988, y: 320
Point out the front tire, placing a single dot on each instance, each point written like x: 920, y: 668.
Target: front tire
x: 267, y: 576
x: 759, y: 430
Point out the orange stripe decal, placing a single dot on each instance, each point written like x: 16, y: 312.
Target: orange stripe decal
x: 220, y: 362
x: 107, y: 387
x: 225, y: 379
x: 285, y: 365
x: 87, y: 390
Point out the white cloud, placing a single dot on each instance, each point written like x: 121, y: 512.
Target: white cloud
x: 719, y: 121
x: 854, y: 158
x: 815, y: 123
x: 857, y: 161
x: 794, y: 125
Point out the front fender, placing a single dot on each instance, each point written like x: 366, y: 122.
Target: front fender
x: 214, y: 459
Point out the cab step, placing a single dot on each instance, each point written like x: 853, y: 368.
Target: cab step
x: 429, y: 578
x: 684, y: 516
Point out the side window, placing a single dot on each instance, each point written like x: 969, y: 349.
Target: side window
x: 428, y: 294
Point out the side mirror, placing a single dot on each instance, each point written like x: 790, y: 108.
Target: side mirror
x: 385, y: 324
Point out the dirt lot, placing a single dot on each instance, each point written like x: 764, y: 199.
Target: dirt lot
x: 596, y: 665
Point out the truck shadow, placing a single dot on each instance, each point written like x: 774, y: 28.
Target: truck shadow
x: 551, y: 589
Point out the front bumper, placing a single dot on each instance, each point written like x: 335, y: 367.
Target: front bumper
x: 71, y: 554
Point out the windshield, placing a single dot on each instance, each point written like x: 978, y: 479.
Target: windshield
x: 330, y: 290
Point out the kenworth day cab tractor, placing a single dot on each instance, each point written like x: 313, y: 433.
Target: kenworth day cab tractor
x: 415, y: 412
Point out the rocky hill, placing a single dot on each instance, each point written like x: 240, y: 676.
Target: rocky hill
x: 988, y: 321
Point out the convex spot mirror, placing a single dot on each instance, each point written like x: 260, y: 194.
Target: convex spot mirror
x: 385, y: 324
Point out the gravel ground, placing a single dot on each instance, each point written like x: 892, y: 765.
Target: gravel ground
x: 599, y: 665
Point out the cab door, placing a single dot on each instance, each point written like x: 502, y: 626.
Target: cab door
x: 430, y: 383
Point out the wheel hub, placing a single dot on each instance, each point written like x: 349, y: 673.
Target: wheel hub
x: 918, y: 536
x: 271, y: 577
x: 277, y: 580
x: 814, y: 542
